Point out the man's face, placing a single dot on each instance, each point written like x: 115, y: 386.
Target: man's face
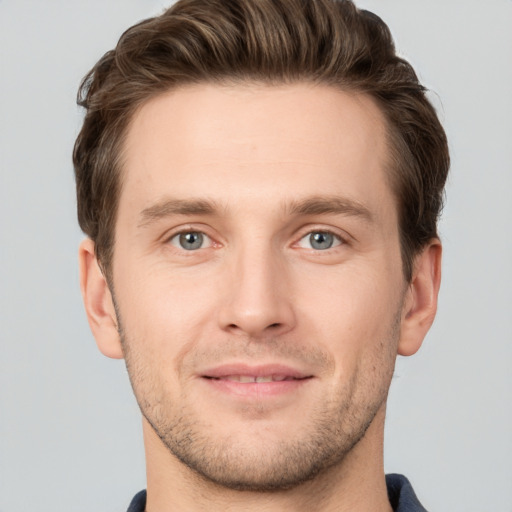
x: 257, y: 277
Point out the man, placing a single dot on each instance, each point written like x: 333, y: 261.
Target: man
x: 260, y: 182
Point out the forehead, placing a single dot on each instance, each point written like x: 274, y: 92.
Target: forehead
x: 249, y: 142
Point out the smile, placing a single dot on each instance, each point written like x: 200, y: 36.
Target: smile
x: 249, y: 379
x: 249, y: 382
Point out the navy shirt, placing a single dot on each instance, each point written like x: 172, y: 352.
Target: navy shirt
x: 400, y: 492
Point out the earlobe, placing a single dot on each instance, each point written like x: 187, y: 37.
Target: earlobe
x: 98, y: 302
x: 420, y: 304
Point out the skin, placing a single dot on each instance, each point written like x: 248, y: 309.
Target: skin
x: 256, y: 170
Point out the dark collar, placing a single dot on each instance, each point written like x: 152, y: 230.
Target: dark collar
x: 400, y: 492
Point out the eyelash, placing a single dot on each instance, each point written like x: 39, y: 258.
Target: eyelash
x: 338, y: 240
x: 178, y: 234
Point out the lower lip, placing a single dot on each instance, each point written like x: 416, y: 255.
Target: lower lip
x: 256, y: 389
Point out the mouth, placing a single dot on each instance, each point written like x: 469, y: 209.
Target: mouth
x: 255, y: 381
x: 249, y: 379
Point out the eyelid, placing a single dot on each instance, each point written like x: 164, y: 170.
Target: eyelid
x: 188, y: 228
x: 342, y: 237
x: 176, y: 236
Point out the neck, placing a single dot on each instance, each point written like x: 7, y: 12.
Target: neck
x: 356, y: 484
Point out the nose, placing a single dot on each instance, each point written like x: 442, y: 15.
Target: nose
x: 257, y: 299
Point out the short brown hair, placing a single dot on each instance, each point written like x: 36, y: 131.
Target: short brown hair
x: 271, y: 41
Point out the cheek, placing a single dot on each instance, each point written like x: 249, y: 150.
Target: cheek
x: 351, y: 311
x: 163, y: 291
x: 162, y: 311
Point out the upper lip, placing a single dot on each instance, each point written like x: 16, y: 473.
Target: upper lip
x: 262, y: 370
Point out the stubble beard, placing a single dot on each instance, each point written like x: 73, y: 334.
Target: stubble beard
x: 330, y: 432
x: 259, y: 466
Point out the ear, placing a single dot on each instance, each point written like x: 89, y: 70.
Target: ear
x: 98, y: 302
x: 420, y: 304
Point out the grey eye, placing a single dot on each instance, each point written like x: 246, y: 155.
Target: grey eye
x: 189, y: 240
x: 320, y: 240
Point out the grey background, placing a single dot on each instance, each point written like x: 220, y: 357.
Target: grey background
x: 70, y: 437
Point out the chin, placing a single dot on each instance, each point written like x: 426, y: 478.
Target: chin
x: 258, y: 459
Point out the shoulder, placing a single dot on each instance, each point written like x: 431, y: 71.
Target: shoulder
x: 138, y: 503
x: 401, y: 494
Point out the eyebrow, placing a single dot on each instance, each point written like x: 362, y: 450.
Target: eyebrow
x: 322, y: 205
x: 169, y: 207
x: 316, y: 205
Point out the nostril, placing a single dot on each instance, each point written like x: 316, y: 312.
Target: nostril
x: 271, y: 326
